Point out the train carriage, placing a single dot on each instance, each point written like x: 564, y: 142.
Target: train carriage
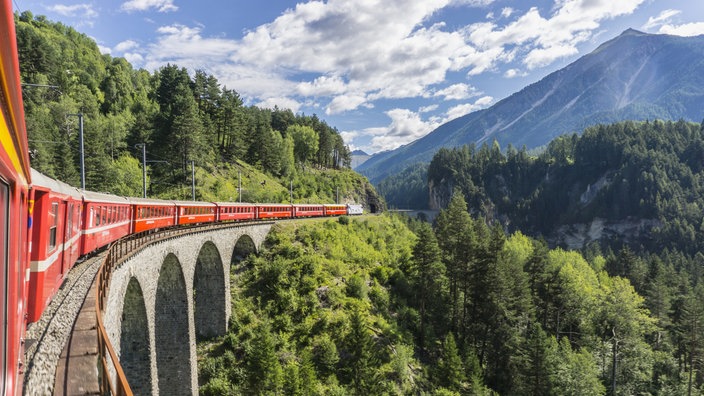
x: 106, y: 218
x: 355, y: 209
x: 235, y: 211
x: 151, y: 214
x: 274, y: 211
x: 335, y: 209
x: 56, y: 239
x: 190, y: 212
x: 302, y: 210
x: 14, y: 203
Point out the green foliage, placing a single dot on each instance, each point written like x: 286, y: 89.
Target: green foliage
x: 181, y: 117
x: 645, y: 171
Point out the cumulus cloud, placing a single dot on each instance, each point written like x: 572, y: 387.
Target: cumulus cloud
x: 126, y: 45
x: 687, y: 29
x: 144, y: 5
x: 511, y: 73
x: 282, y: 103
x: 352, y: 54
x: 457, y: 92
x: 663, y: 17
x: 463, y: 109
x: 74, y: 10
x: 665, y: 24
x: 405, y: 127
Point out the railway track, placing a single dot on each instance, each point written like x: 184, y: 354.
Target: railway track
x: 47, y: 337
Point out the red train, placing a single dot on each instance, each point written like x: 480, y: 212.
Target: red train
x: 14, y: 208
x: 46, y: 225
x: 70, y: 223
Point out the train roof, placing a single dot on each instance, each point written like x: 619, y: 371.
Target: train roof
x: 103, y: 197
x: 151, y: 201
x: 43, y: 181
x: 193, y: 203
x: 14, y: 131
x: 234, y: 204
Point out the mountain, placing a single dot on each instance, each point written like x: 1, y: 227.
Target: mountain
x: 358, y: 158
x: 635, y: 76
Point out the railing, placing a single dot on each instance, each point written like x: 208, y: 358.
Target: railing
x: 118, y: 252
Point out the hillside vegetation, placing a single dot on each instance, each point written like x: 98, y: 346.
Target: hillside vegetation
x: 644, y: 174
x: 380, y: 306
x: 183, y: 117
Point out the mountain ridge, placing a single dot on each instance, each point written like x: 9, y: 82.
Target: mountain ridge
x: 634, y: 76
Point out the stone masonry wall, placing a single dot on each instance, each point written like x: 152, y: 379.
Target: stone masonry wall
x: 181, y: 254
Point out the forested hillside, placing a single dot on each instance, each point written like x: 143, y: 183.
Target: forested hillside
x: 632, y: 182
x: 181, y: 116
x: 375, y: 306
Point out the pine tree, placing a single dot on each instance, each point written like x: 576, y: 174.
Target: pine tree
x: 455, y: 238
x: 450, y: 373
x: 428, y: 275
x: 361, y: 362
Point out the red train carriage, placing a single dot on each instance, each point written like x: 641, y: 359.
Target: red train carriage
x: 274, y: 211
x: 233, y: 211
x: 56, y: 238
x: 106, y: 218
x: 308, y: 210
x: 190, y: 212
x: 335, y: 210
x: 150, y: 214
x: 14, y: 200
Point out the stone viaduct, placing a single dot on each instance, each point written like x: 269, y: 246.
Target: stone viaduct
x: 167, y: 295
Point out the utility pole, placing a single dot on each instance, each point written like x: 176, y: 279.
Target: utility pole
x: 193, y: 180
x: 337, y: 195
x: 81, y: 149
x: 290, y: 191
x: 239, y: 183
x: 143, y: 146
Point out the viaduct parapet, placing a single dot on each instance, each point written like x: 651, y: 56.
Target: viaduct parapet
x: 166, y: 296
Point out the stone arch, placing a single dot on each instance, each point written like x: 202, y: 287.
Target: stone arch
x: 243, y: 247
x: 134, y: 340
x: 171, y: 333
x: 209, y: 293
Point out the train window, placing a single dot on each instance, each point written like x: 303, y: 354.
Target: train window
x: 53, y: 221
x: 97, y: 216
x: 5, y: 256
x: 69, y: 218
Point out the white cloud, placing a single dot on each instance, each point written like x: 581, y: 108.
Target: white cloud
x: 511, y: 73
x: 282, y: 103
x: 351, y: 54
x: 464, y: 109
x: 457, y: 92
x: 126, y: 45
x: 405, y: 126
x: 687, y: 29
x: 134, y: 58
x: 75, y: 10
x: 663, y: 17
x: 144, y: 5
x: 344, y: 102
x: 104, y: 50
x: 428, y: 109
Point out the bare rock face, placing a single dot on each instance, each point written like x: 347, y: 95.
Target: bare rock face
x: 576, y: 236
x: 439, y: 195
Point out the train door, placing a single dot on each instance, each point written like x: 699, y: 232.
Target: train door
x: 5, y: 257
x: 68, y: 234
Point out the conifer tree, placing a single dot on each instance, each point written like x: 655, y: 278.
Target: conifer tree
x: 428, y: 274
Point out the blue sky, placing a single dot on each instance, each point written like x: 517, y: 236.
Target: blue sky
x: 383, y: 72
